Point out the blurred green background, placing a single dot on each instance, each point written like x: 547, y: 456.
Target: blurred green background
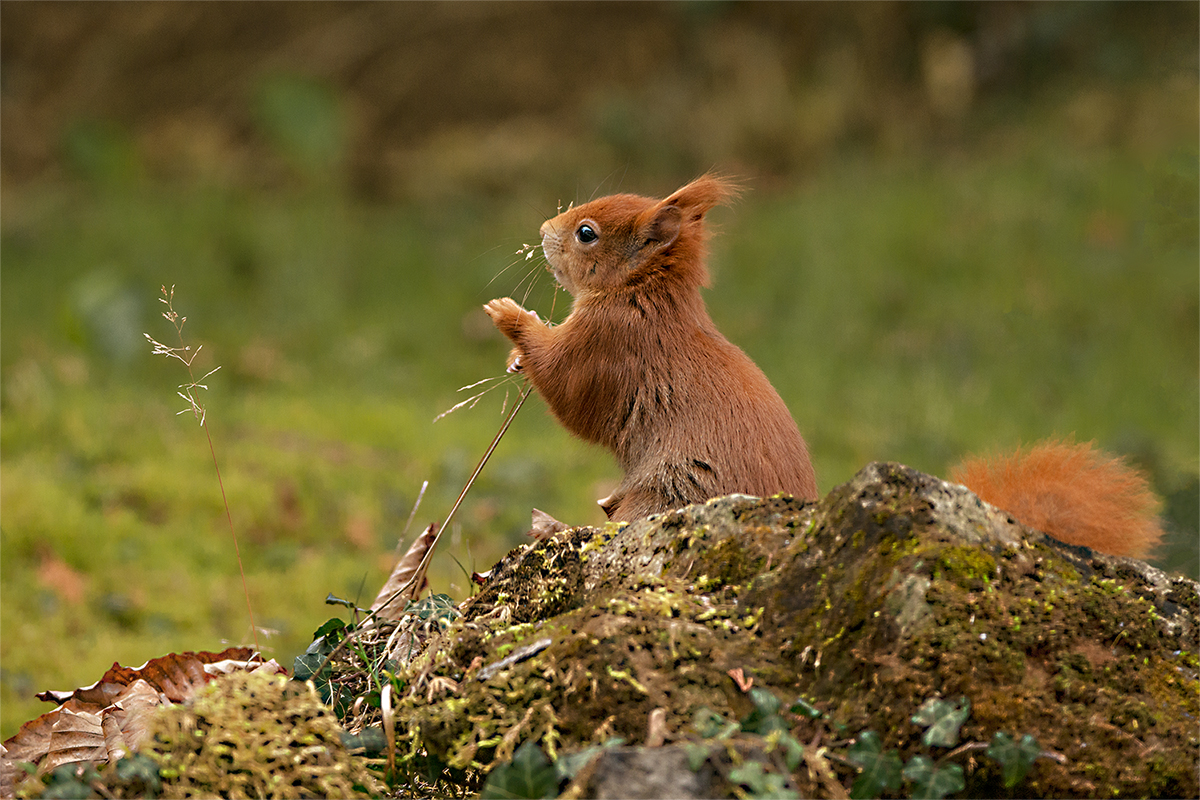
x: 967, y: 226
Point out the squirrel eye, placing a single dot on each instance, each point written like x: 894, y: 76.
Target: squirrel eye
x: 586, y: 234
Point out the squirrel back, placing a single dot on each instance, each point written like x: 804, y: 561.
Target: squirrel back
x: 639, y: 367
x: 1074, y: 492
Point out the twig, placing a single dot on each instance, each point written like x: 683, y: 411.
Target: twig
x: 419, y: 575
x: 411, y: 515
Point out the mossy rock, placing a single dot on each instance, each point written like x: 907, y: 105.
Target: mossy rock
x: 255, y: 735
x: 894, y: 589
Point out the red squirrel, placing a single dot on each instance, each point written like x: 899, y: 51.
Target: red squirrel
x: 639, y: 367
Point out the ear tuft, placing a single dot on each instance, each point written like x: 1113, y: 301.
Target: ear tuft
x: 703, y: 194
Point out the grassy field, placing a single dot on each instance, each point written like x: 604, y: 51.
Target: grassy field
x: 912, y: 308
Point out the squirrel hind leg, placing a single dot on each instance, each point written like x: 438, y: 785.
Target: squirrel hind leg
x: 664, y: 487
x: 1074, y: 492
x: 635, y: 504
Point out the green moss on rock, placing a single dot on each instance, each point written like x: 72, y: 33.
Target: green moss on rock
x: 894, y: 589
x: 255, y: 735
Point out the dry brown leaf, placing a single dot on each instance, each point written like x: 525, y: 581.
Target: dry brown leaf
x: 116, y: 746
x: 74, y: 737
x: 125, y: 721
x: 32, y: 742
x: 403, y: 645
x: 176, y: 675
x: 389, y: 605
x: 10, y: 774
x: 544, y: 526
x: 228, y: 665
x: 95, y: 723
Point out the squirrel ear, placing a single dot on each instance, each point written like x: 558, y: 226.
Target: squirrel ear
x: 704, y: 193
x: 663, y: 228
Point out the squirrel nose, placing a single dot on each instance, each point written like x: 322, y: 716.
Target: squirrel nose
x: 545, y: 229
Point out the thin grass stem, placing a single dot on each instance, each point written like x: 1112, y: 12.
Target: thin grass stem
x: 187, y: 355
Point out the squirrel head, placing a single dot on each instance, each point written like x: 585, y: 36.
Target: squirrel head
x: 626, y: 240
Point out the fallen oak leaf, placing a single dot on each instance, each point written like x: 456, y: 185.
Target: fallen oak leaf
x: 544, y: 526
x: 75, y: 731
x: 228, y: 665
x: 10, y: 774
x: 74, y: 737
x: 125, y: 721
x: 176, y: 675
x: 389, y: 603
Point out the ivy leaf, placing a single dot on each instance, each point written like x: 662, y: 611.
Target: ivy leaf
x: 761, y: 784
x: 947, y: 780
x: 697, y: 754
x: 529, y: 775
x: 879, y: 770
x: 325, y: 639
x: 804, y: 708
x: 438, y: 607
x: 568, y: 766
x: 749, y: 775
x: 332, y: 625
x: 307, y: 664
x: 918, y: 769
x: 943, y: 719
x: 764, y: 700
x: 1015, y: 758
x: 793, y: 752
x: 370, y: 742
x: 710, y: 724
x: 333, y: 600
x: 765, y: 717
x: 932, y: 781
x: 865, y: 748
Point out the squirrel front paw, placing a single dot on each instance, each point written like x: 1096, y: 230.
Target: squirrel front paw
x: 508, y: 316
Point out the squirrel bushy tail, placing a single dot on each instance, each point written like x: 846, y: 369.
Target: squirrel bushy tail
x: 1074, y: 492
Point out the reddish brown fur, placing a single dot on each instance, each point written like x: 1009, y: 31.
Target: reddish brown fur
x: 1073, y: 492
x: 639, y: 367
